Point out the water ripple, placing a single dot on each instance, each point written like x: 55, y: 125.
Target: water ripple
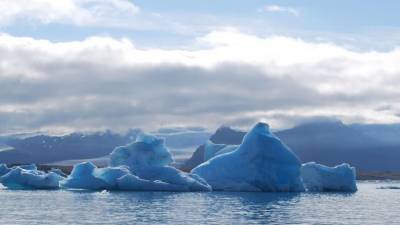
x: 369, y: 205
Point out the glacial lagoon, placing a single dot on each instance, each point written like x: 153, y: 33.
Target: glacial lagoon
x: 373, y: 203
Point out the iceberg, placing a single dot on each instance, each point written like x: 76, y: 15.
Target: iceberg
x: 176, y: 178
x: 146, y: 151
x: 20, y: 178
x: 319, y: 178
x: 169, y: 179
x: 58, y: 171
x: 28, y: 167
x: 139, y: 166
x: 223, y: 135
x: 261, y: 163
x: 83, y: 176
x: 148, y: 159
x: 131, y: 182
x: 211, y: 150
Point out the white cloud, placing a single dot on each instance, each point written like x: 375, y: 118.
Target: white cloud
x: 77, y: 12
x: 234, y: 78
x: 278, y: 8
x: 120, y: 15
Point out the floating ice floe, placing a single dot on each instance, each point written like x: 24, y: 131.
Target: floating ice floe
x: 261, y: 163
x: 317, y: 177
x: 140, y: 166
x: 20, y: 178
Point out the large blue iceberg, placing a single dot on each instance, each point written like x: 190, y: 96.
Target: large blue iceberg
x: 317, y: 177
x: 142, y: 165
x: 261, y: 163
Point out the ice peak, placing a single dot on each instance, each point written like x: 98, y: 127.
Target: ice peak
x: 261, y: 128
x: 147, y: 150
x: 149, y: 139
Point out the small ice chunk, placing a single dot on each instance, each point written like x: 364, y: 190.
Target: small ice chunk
x: 19, y: 178
x: 317, y: 177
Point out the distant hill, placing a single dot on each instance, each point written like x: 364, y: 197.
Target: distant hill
x: 329, y: 143
x: 44, y: 148
x: 332, y: 143
x: 387, y: 133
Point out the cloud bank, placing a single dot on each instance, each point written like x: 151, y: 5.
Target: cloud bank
x: 229, y: 77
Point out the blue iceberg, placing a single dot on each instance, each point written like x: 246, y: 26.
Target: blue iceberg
x: 139, y: 166
x: 317, y: 177
x: 261, y: 163
x: 146, y: 151
x: 211, y: 150
x: 58, y: 171
x: 85, y: 176
x: 31, y: 178
x: 28, y: 167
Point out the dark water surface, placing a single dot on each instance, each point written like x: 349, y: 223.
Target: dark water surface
x: 370, y: 205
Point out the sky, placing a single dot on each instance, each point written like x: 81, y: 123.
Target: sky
x: 76, y: 65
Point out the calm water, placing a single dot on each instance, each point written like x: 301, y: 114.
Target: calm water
x: 369, y: 205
